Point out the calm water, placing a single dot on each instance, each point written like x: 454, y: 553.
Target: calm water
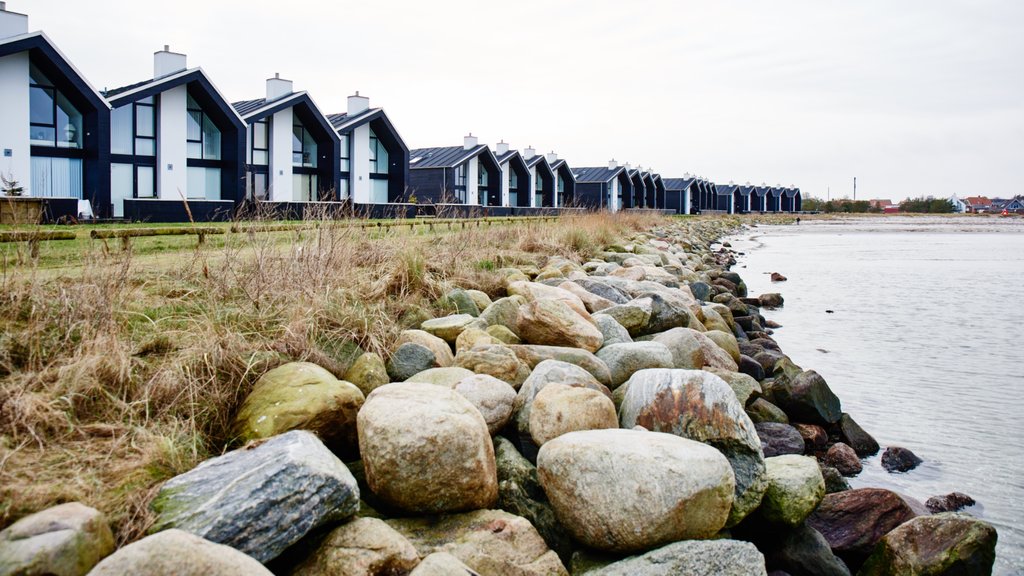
x: 924, y: 346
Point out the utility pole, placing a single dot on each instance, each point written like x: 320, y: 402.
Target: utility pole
x: 854, y: 188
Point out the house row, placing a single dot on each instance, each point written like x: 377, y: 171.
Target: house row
x: 172, y: 147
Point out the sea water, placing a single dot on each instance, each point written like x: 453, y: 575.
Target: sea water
x: 917, y: 324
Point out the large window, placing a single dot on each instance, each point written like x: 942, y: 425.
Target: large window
x: 561, y: 190
x: 513, y: 186
x: 133, y: 128
x: 481, y: 182
x: 378, y: 156
x: 460, y: 183
x: 538, y: 183
x: 305, y: 186
x: 259, y: 136
x: 53, y: 121
x: 203, y: 183
x: 202, y: 134
x: 57, y: 177
x: 303, y: 146
x: 344, y: 153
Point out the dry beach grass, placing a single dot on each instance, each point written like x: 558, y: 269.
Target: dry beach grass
x: 118, y: 371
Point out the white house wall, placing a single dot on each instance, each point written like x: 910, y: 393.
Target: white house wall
x: 359, y: 165
x: 613, y: 200
x: 472, y: 182
x: 533, y: 186
x: 281, y: 189
x: 15, y: 151
x: 172, y: 145
x: 506, y: 187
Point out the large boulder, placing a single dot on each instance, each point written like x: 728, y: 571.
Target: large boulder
x: 533, y: 291
x: 492, y: 397
x: 946, y: 543
x: 461, y: 301
x: 368, y: 373
x: 495, y: 360
x: 178, y: 553
x: 613, y: 332
x: 442, y: 564
x: 727, y: 342
x: 260, y: 499
x: 534, y: 355
x: 426, y: 449
x: 409, y: 359
x: 488, y: 541
x: 898, y: 459
x: 800, y: 551
x: 778, y: 439
x: 552, y: 322
x: 952, y: 502
x: 623, y: 360
x: 448, y: 328
x: 855, y: 437
x: 854, y: 521
x: 446, y: 377
x: 843, y: 458
x: 602, y: 485
x: 632, y: 316
x: 795, y: 488
x: 545, y: 373
x: 442, y: 350
x: 807, y: 398
x: 700, y: 406
x: 472, y: 337
x: 503, y: 312
x: 362, y: 547
x: 692, y: 558
x: 746, y: 388
x: 301, y: 396
x: 669, y: 309
x: 559, y: 409
x: 604, y: 290
x: 593, y: 302
x: 65, y: 540
x: 693, y: 350
x: 761, y: 410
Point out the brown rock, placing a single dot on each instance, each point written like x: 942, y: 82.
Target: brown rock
x: 855, y: 520
x: 843, y: 458
x: 494, y: 360
x: 558, y: 409
x: 362, y: 547
x: 553, y: 323
x: 815, y: 437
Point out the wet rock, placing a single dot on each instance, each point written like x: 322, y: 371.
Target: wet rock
x: 301, y: 396
x: 613, y: 332
x: 426, y: 449
x: 761, y: 410
x: 368, y: 373
x: 448, y: 328
x: 503, y: 312
x: 946, y: 543
x: 362, y: 547
x: 834, y: 481
x: 596, y: 483
x: 952, y: 502
x: 410, y: 359
x: 260, y: 499
x: 815, y: 437
x: 795, y: 488
x: 550, y: 322
x: 492, y: 397
x: 771, y: 300
x: 768, y: 358
x: 897, y: 459
x: 701, y: 290
x: 801, y: 551
x: 700, y: 406
x: 778, y: 439
x: 843, y: 458
x: 462, y: 302
x: 807, y: 398
x: 623, y: 360
x: 67, y: 539
x: 751, y: 367
x: 692, y: 558
x: 495, y: 360
x: 446, y: 377
x: 178, y: 553
x: 855, y: 437
x: 855, y: 520
x: 776, y: 277
x: 534, y: 355
x: 487, y: 541
x: 559, y: 409
x: 442, y: 564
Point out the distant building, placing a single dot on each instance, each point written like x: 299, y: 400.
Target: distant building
x: 542, y: 179
x: 374, y: 157
x: 1015, y: 205
x: 467, y: 174
x: 881, y: 205
x: 515, y: 176
x: 603, y: 187
x: 679, y: 194
x: 959, y: 206
x: 565, y: 182
x: 978, y: 204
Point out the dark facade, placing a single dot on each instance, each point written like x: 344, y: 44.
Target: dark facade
x: 512, y: 162
x: 678, y: 193
x: 440, y: 175
x: 544, y: 182
x: 594, y: 186
x: 397, y: 174
x: 565, y: 183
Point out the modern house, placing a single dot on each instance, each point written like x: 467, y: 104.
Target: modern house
x: 725, y: 198
x: 639, y: 196
x: 759, y: 200
x: 679, y: 194
x: 467, y: 174
x: 978, y: 204
x: 650, y: 190
x: 542, y: 179
x: 54, y: 126
x: 515, y: 176
x: 176, y: 146
x: 603, y: 187
x: 659, y: 191
x: 565, y: 182
x: 292, y: 151
x: 707, y: 197
x: 959, y: 206
x: 792, y: 200
x: 374, y: 158
x: 774, y: 199
x: 745, y: 197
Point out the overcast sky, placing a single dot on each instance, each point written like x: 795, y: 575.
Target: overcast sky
x: 914, y: 97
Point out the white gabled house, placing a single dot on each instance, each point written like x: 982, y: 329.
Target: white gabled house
x: 374, y: 157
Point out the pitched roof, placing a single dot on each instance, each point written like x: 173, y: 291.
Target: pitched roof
x: 442, y: 157
x: 343, y: 121
x: 596, y: 173
x: 725, y: 189
x: 132, y: 92
x: 679, y: 183
x: 978, y: 201
x: 41, y: 42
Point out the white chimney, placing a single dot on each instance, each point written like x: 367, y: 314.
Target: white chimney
x: 552, y: 157
x: 612, y: 164
x: 166, y: 62
x: 278, y: 87
x: 501, y: 149
x: 469, y: 142
x: 11, y: 23
x: 357, y: 104
x: 529, y: 153
x: 628, y: 166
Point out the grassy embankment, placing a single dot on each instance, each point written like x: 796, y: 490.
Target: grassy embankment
x: 120, y: 369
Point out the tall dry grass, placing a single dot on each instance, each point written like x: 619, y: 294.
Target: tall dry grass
x: 129, y: 370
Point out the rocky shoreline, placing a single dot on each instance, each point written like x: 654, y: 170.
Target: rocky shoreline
x: 630, y: 414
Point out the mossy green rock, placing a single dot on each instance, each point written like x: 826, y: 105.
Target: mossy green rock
x: 947, y: 543
x: 480, y: 298
x: 795, y: 488
x: 449, y: 327
x: 301, y: 396
x: 725, y: 341
x: 461, y: 301
x: 503, y: 334
x: 67, y: 539
x: 503, y: 312
x: 746, y: 388
x: 761, y: 410
x: 368, y: 373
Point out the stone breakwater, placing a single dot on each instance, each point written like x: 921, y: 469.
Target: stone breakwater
x: 630, y: 414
